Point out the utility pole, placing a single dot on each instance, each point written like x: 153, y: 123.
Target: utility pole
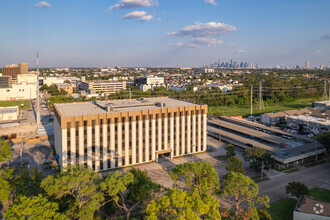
x: 38, y: 99
x: 251, y: 100
x: 324, y: 96
x: 261, y: 102
x: 130, y: 93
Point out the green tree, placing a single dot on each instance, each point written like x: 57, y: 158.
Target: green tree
x: 36, y: 207
x: 179, y: 204
x: 235, y: 164
x: 199, y: 175
x: 114, y: 186
x: 324, y: 138
x: 241, y: 192
x: 297, y: 189
x: 5, y: 151
x: 78, y: 187
x: 6, y: 187
x: 258, y: 157
x: 264, y: 215
x: 230, y: 150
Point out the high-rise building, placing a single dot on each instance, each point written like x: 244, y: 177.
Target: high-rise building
x: 14, y: 70
x: 307, y: 65
x: 118, y: 133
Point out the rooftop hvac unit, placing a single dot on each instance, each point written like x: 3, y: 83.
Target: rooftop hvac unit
x: 160, y: 104
x: 109, y: 108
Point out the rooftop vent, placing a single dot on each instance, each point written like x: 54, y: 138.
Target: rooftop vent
x: 109, y: 108
x: 160, y: 104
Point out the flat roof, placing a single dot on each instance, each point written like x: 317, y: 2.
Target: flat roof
x: 308, y: 118
x: 10, y: 109
x: 125, y: 105
x: 310, y: 205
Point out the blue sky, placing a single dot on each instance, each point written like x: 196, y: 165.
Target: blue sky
x: 84, y: 33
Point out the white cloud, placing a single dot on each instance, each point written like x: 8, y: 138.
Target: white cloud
x: 140, y: 15
x: 212, y: 2
x: 159, y: 20
x: 318, y: 51
x: 43, y: 4
x: 203, y: 30
x: 123, y: 4
x: 241, y: 51
x: 198, y: 42
x: 211, y: 42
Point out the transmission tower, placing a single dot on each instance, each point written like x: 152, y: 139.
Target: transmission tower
x: 261, y: 102
x: 325, y: 96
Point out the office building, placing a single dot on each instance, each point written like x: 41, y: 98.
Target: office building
x: 67, y: 88
x: 307, y: 65
x: 309, y: 124
x: 14, y: 70
x: 149, y: 80
x: 106, y: 86
x: 111, y: 134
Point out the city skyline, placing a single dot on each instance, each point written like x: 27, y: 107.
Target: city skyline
x: 153, y: 33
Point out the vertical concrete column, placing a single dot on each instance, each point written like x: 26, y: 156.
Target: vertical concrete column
x: 183, y: 130
x: 119, y: 153
x: 160, y: 134
x: 146, y: 141
x: 166, y: 134
x: 89, y: 147
x: 177, y: 139
x: 73, y: 145
x: 105, y: 144
x: 97, y: 147
x: 64, y: 148
x: 127, y: 143
x: 204, y: 132
x: 193, y: 133
x: 199, y: 129
x: 172, y: 135
x: 81, y: 146
x: 153, y: 139
x: 134, y: 142
x: 112, y: 154
x: 140, y: 146
x: 188, y: 134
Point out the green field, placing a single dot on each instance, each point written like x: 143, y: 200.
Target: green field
x: 245, y: 111
x: 283, y: 209
x: 15, y: 103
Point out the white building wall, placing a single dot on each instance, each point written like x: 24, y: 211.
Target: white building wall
x: 19, y: 92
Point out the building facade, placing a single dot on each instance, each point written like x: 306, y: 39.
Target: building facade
x: 112, y: 134
x: 309, y: 124
x: 105, y: 86
x: 14, y: 70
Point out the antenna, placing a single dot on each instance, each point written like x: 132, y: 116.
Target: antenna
x: 324, y: 96
x: 261, y: 102
x: 251, y: 99
x: 38, y: 99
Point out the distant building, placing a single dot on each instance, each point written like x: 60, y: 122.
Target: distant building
x: 52, y: 80
x: 111, y: 134
x: 309, y: 124
x: 146, y: 83
x: 177, y: 88
x: 68, y: 88
x: 273, y: 118
x: 106, y: 86
x: 325, y: 105
x: 5, y: 81
x: 307, y: 65
x: 19, y: 91
x: 208, y: 70
x: 308, y: 208
x: 14, y: 70
x: 149, y: 80
x: 9, y: 113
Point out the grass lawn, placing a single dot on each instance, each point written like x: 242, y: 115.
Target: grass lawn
x: 283, y: 209
x: 15, y: 103
x: 245, y: 111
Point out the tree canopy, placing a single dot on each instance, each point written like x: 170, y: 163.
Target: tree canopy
x: 198, y: 175
x: 179, y: 204
x: 37, y: 207
x: 79, y: 186
x: 241, y: 192
x: 235, y: 164
x: 297, y: 189
x: 5, y: 151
